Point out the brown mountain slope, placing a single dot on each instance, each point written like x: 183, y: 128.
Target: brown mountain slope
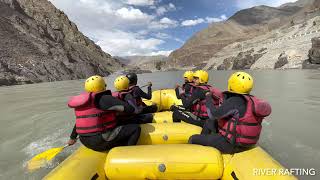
x: 285, y: 47
x: 39, y: 43
x: 243, y: 25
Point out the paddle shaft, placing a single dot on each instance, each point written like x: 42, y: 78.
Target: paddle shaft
x: 144, y: 86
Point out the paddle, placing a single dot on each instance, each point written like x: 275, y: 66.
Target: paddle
x: 43, y: 158
x: 144, y: 86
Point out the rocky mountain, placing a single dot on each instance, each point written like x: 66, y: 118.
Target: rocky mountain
x: 143, y: 64
x: 300, y: 3
x: 39, y: 43
x: 253, y: 38
x: 139, y: 60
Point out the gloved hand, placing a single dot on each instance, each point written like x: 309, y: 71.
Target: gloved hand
x: 149, y: 84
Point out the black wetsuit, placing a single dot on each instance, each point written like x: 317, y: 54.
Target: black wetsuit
x: 138, y: 117
x: 138, y: 94
x: 122, y: 135
x: 233, y: 103
x: 187, y: 88
x: 184, y: 113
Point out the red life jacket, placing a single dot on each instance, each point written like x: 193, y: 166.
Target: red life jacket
x: 90, y: 119
x: 245, y: 131
x: 199, y: 109
x: 120, y: 95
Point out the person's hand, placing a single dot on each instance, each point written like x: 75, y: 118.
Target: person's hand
x: 71, y: 142
x: 149, y: 84
x: 208, y: 93
x: 177, y: 86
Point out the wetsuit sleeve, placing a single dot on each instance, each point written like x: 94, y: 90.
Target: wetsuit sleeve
x: 108, y: 102
x: 139, y: 93
x: 187, y: 88
x: 197, y: 95
x: 178, y: 93
x: 74, y: 133
x: 230, y: 104
x: 187, y: 102
x: 129, y: 98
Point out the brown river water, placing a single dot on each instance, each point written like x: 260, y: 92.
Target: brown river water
x: 35, y: 118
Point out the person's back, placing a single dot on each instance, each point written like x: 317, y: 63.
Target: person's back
x: 195, y: 111
x: 138, y: 94
x: 236, y: 124
x: 96, y: 121
x: 125, y: 93
x: 187, y: 87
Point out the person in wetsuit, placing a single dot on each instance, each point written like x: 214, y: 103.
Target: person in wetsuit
x: 138, y: 94
x: 234, y: 126
x: 193, y: 110
x: 96, y: 122
x: 123, y: 93
x: 187, y: 86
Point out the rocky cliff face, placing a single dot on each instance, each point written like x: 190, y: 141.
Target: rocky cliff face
x: 39, y: 43
x: 257, y: 38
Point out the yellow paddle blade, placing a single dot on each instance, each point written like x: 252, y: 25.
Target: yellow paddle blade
x: 41, y: 159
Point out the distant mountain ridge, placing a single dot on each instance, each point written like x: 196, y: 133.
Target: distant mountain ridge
x: 243, y: 26
x: 138, y: 60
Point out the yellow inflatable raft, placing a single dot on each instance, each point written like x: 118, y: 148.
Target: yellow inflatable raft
x: 163, y: 153
x: 164, y: 99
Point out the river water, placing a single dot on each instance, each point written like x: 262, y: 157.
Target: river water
x: 35, y: 118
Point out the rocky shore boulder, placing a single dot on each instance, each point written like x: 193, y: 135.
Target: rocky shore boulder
x: 244, y: 60
x: 314, y: 55
x: 282, y: 60
x: 314, y: 52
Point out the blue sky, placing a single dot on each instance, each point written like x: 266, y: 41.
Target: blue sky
x: 149, y: 27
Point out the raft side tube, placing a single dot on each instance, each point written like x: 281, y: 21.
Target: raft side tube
x: 83, y: 164
x: 184, y: 161
x: 253, y: 164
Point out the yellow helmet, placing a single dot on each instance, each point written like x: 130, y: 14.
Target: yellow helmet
x: 188, y: 75
x: 240, y: 83
x: 95, y: 84
x: 121, y: 83
x: 202, y: 75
